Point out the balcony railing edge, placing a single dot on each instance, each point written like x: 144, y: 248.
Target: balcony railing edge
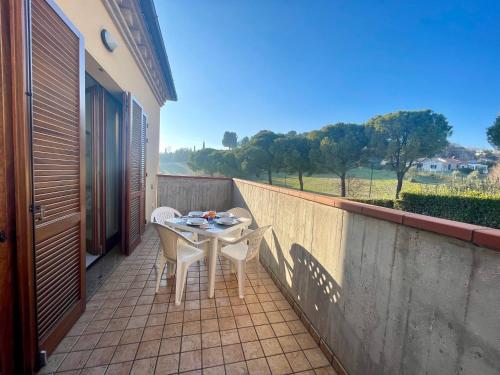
x: 478, y: 235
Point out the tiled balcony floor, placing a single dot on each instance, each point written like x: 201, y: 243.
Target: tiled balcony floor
x: 128, y: 329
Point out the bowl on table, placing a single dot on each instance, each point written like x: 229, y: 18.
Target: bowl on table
x: 224, y: 214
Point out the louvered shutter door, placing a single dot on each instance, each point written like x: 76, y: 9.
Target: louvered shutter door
x: 58, y: 172
x: 135, y: 174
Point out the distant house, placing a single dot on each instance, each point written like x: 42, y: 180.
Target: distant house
x: 438, y: 164
x: 475, y: 166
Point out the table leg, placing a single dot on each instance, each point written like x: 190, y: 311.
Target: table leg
x: 212, y: 266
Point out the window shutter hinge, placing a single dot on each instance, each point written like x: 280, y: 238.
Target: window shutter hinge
x: 29, y: 93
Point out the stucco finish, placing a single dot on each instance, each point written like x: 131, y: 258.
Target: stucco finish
x: 90, y: 17
x: 387, y: 298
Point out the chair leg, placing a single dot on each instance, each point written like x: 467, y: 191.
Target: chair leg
x: 180, y: 281
x: 159, y: 273
x: 241, y: 277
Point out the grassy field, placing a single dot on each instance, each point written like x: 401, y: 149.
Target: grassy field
x: 383, y: 184
x: 176, y: 168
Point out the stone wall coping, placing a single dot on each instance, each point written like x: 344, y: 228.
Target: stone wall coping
x: 478, y: 235
x: 193, y: 177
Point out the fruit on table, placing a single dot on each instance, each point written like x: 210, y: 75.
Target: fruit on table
x: 210, y: 214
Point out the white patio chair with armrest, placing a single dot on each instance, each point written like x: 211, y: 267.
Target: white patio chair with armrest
x: 242, y: 250
x: 238, y: 212
x: 182, y: 252
x: 162, y: 214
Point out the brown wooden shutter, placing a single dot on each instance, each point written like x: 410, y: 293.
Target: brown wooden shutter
x: 58, y: 73
x: 135, y: 191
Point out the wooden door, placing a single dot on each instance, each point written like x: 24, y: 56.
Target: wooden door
x: 58, y: 157
x: 135, y: 173
x: 7, y: 243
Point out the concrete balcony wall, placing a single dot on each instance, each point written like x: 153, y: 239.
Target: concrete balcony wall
x: 186, y: 193
x: 387, y: 298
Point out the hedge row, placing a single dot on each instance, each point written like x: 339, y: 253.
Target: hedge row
x: 472, y: 208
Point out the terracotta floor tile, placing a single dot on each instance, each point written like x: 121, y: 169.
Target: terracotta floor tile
x: 252, y: 350
x: 190, y: 361
x: 66, y: 344
x: 210, y: 339
x: 264, y: 331
x: 100, y: 357
x: 86, y: 342
x: 281, y: 329
x: 98, y: 370
x: 173, y: 330
x: 122, y: 368
x: 296, y: 327
x: 144, y: 366
x: 212, y: 357
x: 209, y: 325
x: 274, y: 317
x: 329, y: 370
x: 53, y: 363
x: 170, y: 346
x: 148, y: 349
x: 137, y: 321
x: 279, y: 365
x: 259, y: 319
x: 191, y: 315
x: 271, y: 346
x: 233, y: 353
x: 75, y: 360
x: 316, y: 357
x: 298, y: 361
x: 217, y: 370
x: 238, y: 368
x: 152, y: 333
x: 191, y: 342
x: 227, y: 323
x: 131, y: 335
x: 230, y: 337
x: 247, y: 334
x: 258, y: 367
x: 243, y: 321
x: 289, y: 315
x: 124, y: 353
x: 288, y: 343
x: 156, y: 320
x: 168, y: 364
x: 305, y: 341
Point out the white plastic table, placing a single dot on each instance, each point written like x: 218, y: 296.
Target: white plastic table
x: 214, y: 232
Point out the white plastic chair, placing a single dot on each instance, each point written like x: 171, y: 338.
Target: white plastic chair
x: 238, y: 212
x: 182, y: 252
x: 242, y: 250
x: 162, y: 214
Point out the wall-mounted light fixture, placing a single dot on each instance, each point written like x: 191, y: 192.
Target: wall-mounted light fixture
x: 107, y: 39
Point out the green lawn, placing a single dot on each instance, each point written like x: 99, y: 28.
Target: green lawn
x: 383, y: 184
x: 176, y: 168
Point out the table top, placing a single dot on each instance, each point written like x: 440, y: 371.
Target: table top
x: 213, y: 230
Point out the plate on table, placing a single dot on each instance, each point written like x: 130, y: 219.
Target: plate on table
x: 226, y: 221
x: 195, y: 214
x: 224, y: 214
x: 196, y: 221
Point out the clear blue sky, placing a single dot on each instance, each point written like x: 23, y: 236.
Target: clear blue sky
x: 247, y: 65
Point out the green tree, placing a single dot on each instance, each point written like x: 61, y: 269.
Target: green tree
x: 403, y: 137
x: 205, y: 160
x: 292, y: 155
x: 493, y: 133
x: 340, y: 148
x: 258, y: 154
x: 228, y: 164
x: 230, y: 140
x: 244, y: 141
